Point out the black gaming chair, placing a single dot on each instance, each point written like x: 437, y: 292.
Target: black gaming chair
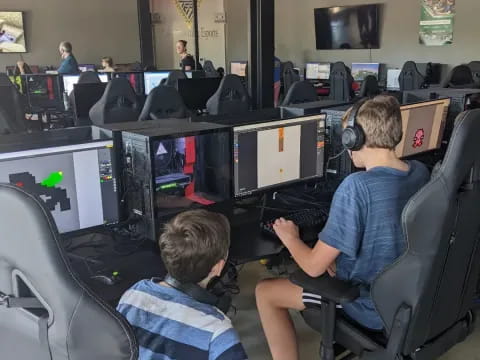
x: 410, y: 78
x: 173, y: 77
x: 46, y: 312
x: 369, y: 87
x: 12, y: 107
x: 231, y: 98
x: 163, y: 102
x: 210, y: 71
x: 118, y: 104
x: 289, y: 76
x: 475, y: 69
x: 425, y: 298
x: 341, y: 81
x: 300, y: 92
x: 459, y: 78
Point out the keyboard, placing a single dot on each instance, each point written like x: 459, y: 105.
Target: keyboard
x: 310, y: 223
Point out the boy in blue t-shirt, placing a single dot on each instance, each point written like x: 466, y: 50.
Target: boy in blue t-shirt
x: 363, y: 234
x: 171, y: 324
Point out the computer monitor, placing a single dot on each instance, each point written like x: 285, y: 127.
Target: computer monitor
x: 317, y: 71
x: 86, y: 67
x: 393, y: 83
x: 273, y: 154
x: 134, y: 78
x: 76, y: 182
x: 153, y: 79
x: 239, y: 68
x: 423, y: 127
x: 70, y: 80
x: 196, y: 92
x: 189, y: 74
x: 43, y: 91
x: 361, y: 70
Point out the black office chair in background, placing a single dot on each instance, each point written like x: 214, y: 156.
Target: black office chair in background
x: 410, y: 78
x: 163, y: 102
x: 173, y: 77
x: 89, y: 77
x: 341, y: 82
x: 12, y: 107
x: 46, y: 312
x: 300, y: 92
x: 426, y: 297
x: 460, y: 77
x: 231, y: 98
x: 369, y: 87
x: 289, y: 76
x: 210, y: 71
x: 118, y: 104
x: 475, y: 69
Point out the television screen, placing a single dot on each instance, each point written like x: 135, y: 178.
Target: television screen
x: 352, y: 27
x: 12, y: 33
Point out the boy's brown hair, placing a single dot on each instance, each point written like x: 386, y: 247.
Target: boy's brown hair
x: 192, y: 243
x: 381, y: 120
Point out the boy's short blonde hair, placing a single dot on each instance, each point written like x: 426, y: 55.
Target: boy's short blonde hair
x: 381, y: 120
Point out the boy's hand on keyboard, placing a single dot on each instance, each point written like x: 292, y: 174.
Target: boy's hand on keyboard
x: 286, y: 230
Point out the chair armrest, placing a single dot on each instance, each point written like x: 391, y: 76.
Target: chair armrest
x: 332, y: 289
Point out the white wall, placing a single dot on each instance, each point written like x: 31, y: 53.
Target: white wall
x: 295, y: 34
x: 96, y: 28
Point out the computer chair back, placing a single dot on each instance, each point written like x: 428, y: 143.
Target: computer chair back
x: 300, y: 92
x: 89, y: 77
x: 231, y: 98
x: 46, y: 312
x: 118, y: 104
x: 369, y: 87
x: 163, y: 102
x: 475, y: 69
x: 289, y: 76
x: 210, y: 71
x: 173, y: 77
x: 341, y: 81
x: 410, y: 78
x: 459, y: 78
x: 426, y: 297
x: 12, y: 107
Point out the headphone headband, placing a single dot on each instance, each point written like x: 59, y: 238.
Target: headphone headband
x: 352, y: 119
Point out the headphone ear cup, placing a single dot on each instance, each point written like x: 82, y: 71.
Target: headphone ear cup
x: 353, y: 138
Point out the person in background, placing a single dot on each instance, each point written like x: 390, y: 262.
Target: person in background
x: 22, y: 68
x: 187, y: 61
x: 69, y: 64
x: 277, y: 71
x: 107, y: 64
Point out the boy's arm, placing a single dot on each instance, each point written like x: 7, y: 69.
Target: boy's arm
x: 226, y: 346
x: 314, y: 261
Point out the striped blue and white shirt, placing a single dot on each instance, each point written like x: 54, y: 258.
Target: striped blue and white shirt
x: 170, y: 325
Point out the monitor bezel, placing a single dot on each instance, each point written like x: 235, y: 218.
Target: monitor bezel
x: 317, y: 63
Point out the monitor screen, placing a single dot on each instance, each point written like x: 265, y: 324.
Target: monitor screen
x: 393, y: 79
x: 12, y: 32
x: 189, y: 74
x: 361, y: 70
x: 86, y: 67
x: 239, y: 68
x: 423, y: 127
x: 277, y: 153
x: 44, y: 91
x: 191, y: 171
x: 317, y: 71
x: 351, y: 27
x: 70, y: 80
x: 76, y: 182
x: 153, y: 79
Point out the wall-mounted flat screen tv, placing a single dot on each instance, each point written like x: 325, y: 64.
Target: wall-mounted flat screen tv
x: 12, y: 33
x: 350, y: 27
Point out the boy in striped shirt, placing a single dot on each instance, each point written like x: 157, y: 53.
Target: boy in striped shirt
x: 168, y: 323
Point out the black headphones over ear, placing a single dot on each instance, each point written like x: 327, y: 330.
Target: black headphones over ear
x: 353, y: 136
x: 206, y: 296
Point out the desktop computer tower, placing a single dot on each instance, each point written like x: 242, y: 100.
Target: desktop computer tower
x: 309, y: 108
x: 167, y: 171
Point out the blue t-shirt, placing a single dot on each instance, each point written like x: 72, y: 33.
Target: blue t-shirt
x: 69, y: 65
x: 169, y: 324
x: 365, y: 225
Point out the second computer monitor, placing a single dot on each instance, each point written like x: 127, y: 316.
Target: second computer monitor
x: 361, y: 70
x: 274, y: 154
x: 70, y: 80
x: 239, y: 68
x: 317, y: 71
x: 153, y: 79
x: 423, y: 127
